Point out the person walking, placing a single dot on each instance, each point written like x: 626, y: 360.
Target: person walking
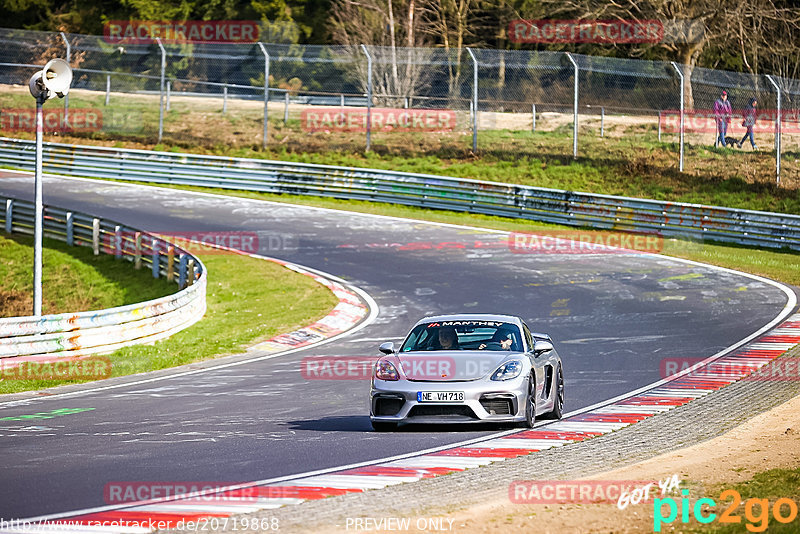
x: 722, y: 115
x: 749, y: 121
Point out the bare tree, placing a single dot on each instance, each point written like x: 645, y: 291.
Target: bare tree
x: 452, y: 24
x: 375, y: 23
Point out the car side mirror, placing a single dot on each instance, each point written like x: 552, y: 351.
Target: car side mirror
x: 387, y: 348
x: 541, y: 347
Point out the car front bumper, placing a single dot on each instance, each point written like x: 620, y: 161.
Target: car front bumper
x: 484, y: 401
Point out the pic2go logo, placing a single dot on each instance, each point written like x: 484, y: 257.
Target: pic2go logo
x: 756, y: 511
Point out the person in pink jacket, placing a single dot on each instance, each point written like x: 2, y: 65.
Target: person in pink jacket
x: 722, y: 114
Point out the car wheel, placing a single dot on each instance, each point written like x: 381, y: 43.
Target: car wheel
x: 558, y: 406
x: 530, y: 404
x: 383, y: 426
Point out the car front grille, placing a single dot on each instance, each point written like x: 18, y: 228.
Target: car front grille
x: 388, y: 405
x: 441, y: 410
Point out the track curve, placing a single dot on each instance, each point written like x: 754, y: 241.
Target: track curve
x: 614, y: 319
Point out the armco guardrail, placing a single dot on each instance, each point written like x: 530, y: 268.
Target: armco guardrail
x: 669, y: 219
x: 80, y: 334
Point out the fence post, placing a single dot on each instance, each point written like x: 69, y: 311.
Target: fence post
x: 286, y: 107
x: 266, y: 91
x: 108, y: 87
x: 369, y: 96
x: 161, y: 90
x: 169, y: 92
x: 66, y: 96
x: 341, y: 101
x: 574, y: 107
x: 777, y: 131
x: 224, y: 99
x: 683, y: 118
x: 533, y: 117
x: 602, y: 121
x: 474, y: 100
x: 659, y: 125
x: 9, y: 215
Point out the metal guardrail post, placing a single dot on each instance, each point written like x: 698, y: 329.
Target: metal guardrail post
x: 533, y: 117
x: 96, y: 236
x: 266, y: 92
x: 777, y: 131
x: 68, y: 59
x: 169, y: 93
x: 683, y: 111
x: 137, y: 251
x: 474, y: 100
x: 70, y: 229
x: 224, y: 99
x: 9, y: 215
x: 108, y: 88
x: 161, y: 91
x: 182, y: 263
x: 156, y: 257
x: 170, y: 263
x: 369, y: 96
x: 574, y: 107
x: 286, y: 107
x: 117, y: 241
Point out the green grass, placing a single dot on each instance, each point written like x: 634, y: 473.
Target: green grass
x: 771, y: 485
x: 74, y: 279
x: 248, y: 300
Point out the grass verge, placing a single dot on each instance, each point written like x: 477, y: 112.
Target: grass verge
x: 74, y: 279
x: 249, y: 300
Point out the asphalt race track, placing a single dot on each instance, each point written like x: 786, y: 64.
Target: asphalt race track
x: 614, y: 318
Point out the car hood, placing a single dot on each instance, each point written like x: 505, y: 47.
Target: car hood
x: 452, y: 365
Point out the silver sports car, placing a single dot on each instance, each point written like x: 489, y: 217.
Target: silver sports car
x: 464, y: 369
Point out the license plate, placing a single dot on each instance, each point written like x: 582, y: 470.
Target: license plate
x: 440, y: 396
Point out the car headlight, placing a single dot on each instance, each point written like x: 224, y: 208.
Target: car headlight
x: 385, y: 370
x: 508, y: 370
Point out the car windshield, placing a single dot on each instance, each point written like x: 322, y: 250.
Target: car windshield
x: 463, y: 335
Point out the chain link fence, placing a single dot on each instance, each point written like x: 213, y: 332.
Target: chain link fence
x: 444, y: 101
